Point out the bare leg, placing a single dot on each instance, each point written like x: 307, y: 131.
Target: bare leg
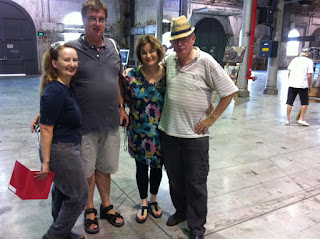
x: 289, y: 108
x: 92, y: 184
x: 103, y: 181
x: 303, y: 111
x: 153, y: 198
x: 144, y: 202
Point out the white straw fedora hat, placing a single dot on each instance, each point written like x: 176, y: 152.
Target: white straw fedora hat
x: 180, y: 27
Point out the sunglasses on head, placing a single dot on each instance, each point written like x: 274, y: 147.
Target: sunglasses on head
x: 55, y: 45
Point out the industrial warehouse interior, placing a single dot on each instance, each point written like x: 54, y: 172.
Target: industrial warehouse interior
x: 264, y: 179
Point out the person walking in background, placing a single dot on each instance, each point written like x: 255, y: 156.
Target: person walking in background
x: 192, y: 75
x: 60, y: 119
x: 300, y: 77
x: 145, y: 87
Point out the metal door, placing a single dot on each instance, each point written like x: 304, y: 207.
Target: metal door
x: 14, y: 49
x: 14, y: 56
x: 211, y: 38
x: 18, y: 47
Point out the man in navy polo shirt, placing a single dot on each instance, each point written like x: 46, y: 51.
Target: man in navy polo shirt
x: 97, y: 93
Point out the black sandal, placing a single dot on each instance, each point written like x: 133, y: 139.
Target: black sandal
x: 88, y: 222
x: 156, y: 208
x: 142, y: 220
x: 111, y: 218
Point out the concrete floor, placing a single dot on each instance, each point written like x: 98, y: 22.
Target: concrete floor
x: 264, y: 179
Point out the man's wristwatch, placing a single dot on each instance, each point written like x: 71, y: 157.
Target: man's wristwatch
x: 121, y: 105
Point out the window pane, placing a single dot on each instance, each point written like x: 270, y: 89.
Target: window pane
x: 293, y: 46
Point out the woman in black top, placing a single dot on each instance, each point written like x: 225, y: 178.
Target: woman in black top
x: 60, y: 119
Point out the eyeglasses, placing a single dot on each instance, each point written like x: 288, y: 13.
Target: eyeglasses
x: 182, y: 40
x: 55, y: 45
x: 94, y: 20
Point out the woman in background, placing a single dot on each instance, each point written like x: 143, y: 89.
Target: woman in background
x: 60, y: 119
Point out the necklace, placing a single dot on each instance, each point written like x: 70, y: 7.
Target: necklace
x: 152, y: 75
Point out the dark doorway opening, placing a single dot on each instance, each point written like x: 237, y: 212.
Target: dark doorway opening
x: 18, y: 46
x: 211, y: 38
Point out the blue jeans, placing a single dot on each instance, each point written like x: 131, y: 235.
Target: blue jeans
x: 69, y: 191
x: 187, y: 163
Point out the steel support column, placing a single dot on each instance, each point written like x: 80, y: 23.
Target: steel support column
x: 132, y: 23
x: 159, y: 19
x: 183, y: 8
x: 246, y: 30
x: 273, y: 62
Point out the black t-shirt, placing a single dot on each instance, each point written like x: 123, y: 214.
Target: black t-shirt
x: 58, y: 107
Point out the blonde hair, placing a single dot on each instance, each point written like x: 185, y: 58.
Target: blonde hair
x: 49, y: 73
x: 154, y: 43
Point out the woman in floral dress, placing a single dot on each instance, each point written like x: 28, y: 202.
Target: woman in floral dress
x: 145, y: 86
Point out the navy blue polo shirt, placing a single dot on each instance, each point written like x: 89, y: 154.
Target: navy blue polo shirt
x: 59, y: 108
x: 96, y: 87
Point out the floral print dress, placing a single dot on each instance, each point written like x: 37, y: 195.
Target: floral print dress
x: 144, y: 138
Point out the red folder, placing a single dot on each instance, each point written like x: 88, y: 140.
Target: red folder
x: 26, y: 186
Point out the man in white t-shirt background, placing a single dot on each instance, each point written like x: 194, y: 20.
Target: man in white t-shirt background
x: 300, y: 76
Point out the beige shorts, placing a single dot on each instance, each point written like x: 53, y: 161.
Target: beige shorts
x: 100, y: 151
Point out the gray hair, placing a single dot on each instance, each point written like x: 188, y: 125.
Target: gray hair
x: 306, y: 51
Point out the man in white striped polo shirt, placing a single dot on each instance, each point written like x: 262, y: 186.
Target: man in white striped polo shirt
x: 192, y: 76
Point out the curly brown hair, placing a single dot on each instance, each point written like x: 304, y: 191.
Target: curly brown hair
x: 49, y: 73
x: 94, y: 5
x: 154, y: 43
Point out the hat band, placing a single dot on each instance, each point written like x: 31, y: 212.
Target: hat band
x: 180, y: 32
